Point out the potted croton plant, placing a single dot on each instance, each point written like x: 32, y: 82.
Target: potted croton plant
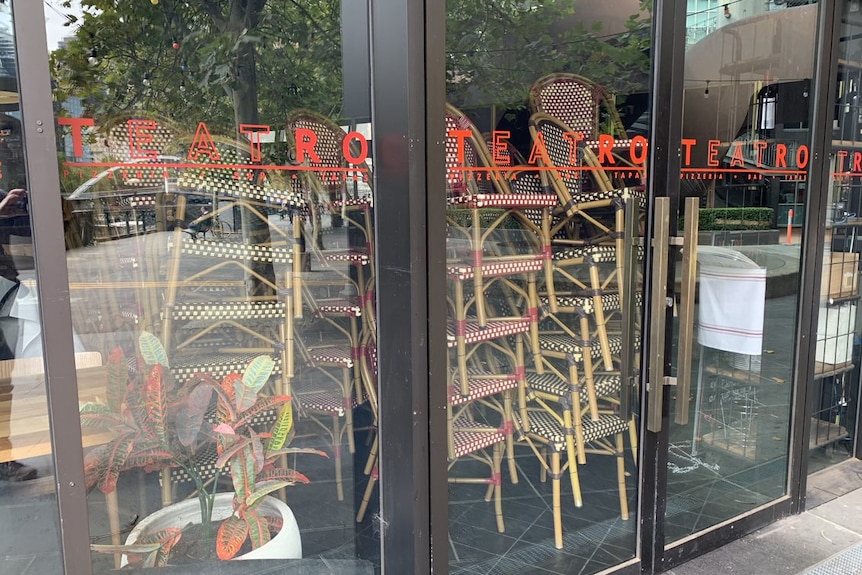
x: 159, y: 424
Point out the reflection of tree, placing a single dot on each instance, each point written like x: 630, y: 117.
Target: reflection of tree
x: 497, y: 48
x: 226, y: 62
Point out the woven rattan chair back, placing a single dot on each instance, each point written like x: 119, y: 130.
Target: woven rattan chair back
x: 579, y: 103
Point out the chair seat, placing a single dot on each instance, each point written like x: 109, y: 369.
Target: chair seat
x: 529, y: 264
x: 607, y: 385
x: 610, y: 301
x: 567, y: 344
x: 354, y: 257
x: 480, y: 384
x: 332, y: 355
x: 467, y: 442
x: 495, y: 328
x: 337, y: 308
x: 546, y: 426
x: 234, y: 251
x: 361, y: 203
x: 221, y: 311
x: 476, y: 201
x: 186, y: 363
x: 328, y: 402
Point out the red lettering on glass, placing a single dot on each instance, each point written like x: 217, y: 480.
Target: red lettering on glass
x: 75, y: 124
x: 254, y: 131
x: 499, y: 146
x: 842, y: 155
x: 305, y: 141
x: 737, y: 160
x: 606, y: 146
x: 203, y: 144
x: 802, y: 157
x: 760, y: 146
x: 687, y: 143
x: 460, y: 136
x: 857, y: 162
x: 140, y: 136
x: 363, y: 148
x: 638, y: 150
x: 539, y: 149
x: 573, y: 138
x: 713, y: 153
x: 780, y: 156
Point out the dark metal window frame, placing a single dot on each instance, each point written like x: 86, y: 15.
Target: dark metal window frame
x: 408, y: 76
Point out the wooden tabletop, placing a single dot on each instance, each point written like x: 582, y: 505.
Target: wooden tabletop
x: 24, y: 427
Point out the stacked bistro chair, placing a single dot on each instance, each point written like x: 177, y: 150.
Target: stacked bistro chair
x: 337, y: 281
x: 222, y: 304
x: 493, y: 248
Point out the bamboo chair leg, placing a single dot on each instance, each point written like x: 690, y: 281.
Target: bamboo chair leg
x: 547, y: 253
x: 633, y: 439
x: 167, y: 496
x: 621, y: 477
x: 555, y: 481
x: 543, y: 469
x: 113, y: 509
x: 347, y: 400
x: 366, y: 497
x: 496, y: 481
x: 509, y: 423
x: 478, y: 280
x: 336, y: 445
x: 533, y: 309
x: 460, y: 337
x: 520, y: 369
x: 372, y: 457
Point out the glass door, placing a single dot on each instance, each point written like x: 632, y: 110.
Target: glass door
x: 547, y: 134
x: 743, y: 187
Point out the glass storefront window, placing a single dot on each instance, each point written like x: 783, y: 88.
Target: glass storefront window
x: 218, y: 220
x: 547, y: 135
x: 29, y: 528
x: 746, y: 141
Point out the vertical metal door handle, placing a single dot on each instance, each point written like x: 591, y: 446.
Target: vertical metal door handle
x: 629, y: 284
x: 658, y: 307
x: 686, y: 311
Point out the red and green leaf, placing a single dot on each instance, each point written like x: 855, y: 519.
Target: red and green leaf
x: 114, y: 461
x: 230, y: 537
x: 257, y: 452
x: 152, y: 350
x: 230, y: 450
x: 227, y: 399
x: 190, y: 417
x: 264, y: 488
x: 242, y: 473
x: 117, y: 378
x: 275, y: 523
x: 281, y: 474
x: 167, y: 538
x: 282, y: 429
x: 273, y: 455
x: 254, y: 377
x: 100, y: 416
x: 156, y: 404
x: 258, y: 529
x: 262, y: 405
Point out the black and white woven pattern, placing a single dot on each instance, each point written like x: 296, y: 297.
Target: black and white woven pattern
x: 546, y: 426
x: 480, y: 384
x: 460, y: 181
x: 328, y: 402
x: 229, y: 310
x: 467, y: 442
x: 331, y: 355
x: 186, y: 363
x: 353, y: 257
x: 474, y: 333
x: 337, y: 308
x: 477, y: 201
x: 596, y: 254
x: 234, y: 251
x: 607, y: 385
x: 572, y: 101
x: 354, y: 203
x: 205, y: 464
x: 610, y: 301
x: 531, y: 264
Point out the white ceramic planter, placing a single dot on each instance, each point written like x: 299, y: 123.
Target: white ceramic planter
x: 285, y: 545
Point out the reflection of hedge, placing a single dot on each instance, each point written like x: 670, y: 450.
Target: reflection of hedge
x: 733, y: 219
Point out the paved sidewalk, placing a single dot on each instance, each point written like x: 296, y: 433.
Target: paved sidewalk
x: 824, y: 540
